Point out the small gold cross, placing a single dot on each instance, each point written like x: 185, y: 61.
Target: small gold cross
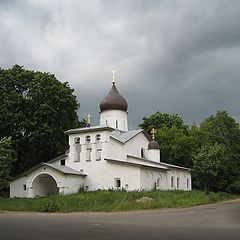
x: 153, y: 132
x: 113, y: 76
x: 89, y: 119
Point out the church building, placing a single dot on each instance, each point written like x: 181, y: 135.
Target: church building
x: 107, y: 156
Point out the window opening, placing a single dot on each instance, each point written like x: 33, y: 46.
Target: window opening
x: 142, y: 153
x: 172, y: 182
x: 178, y: 182
x: 98, y: 154
x: 77, y: 140
x: 88, y: 139
x: 88, y: 154
x: 117, y: 182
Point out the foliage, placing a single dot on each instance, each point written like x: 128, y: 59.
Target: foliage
x: 108, y: 201
x: 50, y: 206
x: 209, y: 164
x: 181, y: 144
x: 6, y: 158
x: 82, y: 123
x: 160, y: 120
x: 234, y: 187
x: 223, y: 129
x: 35, y: 110
x: 173, y: 137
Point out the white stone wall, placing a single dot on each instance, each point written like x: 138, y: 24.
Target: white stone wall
x: 154, y: 179
x: 183, y: 175
x: 134, y: 145
x: 17, y: 187
x: 153, y: 155
x: 129, y: 176
x: 110, y: 117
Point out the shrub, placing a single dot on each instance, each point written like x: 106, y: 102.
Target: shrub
x: 49, y: 207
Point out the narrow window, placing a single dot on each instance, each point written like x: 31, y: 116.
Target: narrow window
x: 98, y: 154
x: 88, y: 154
x: 178, y: 182
x: 116, y: 124
x: 106, y: 122
x: 117, y: 182
x: 142, y: 153
x: 158, y: 183
x: 62, y: 162
x: 77, y: 149
x: 172, y: 182
x: 187, y: 183
x: 24, y: 187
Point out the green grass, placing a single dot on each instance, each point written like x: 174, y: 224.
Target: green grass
x: 108, y: 201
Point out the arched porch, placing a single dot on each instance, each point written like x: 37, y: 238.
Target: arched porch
x: 44, y: 185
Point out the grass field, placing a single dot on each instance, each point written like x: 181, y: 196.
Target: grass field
x: 108, y: 201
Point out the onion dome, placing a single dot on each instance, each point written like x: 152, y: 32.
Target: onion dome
x: 153, y: 145
x: 113, y: 101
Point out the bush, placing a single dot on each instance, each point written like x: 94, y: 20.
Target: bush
x: 49, y: 207
x: 234, y: 187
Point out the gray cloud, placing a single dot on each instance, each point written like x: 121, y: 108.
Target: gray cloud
x: 171, y: 56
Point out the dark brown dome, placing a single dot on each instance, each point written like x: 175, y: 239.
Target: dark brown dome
x: 153, y: 145
x: 113, y: 101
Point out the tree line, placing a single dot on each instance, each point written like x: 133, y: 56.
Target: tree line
x: 211, y: 149
x: 36, y: 109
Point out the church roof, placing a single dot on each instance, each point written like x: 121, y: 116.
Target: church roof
x: 59, y: 168
x: 88, y: 129
x: 153, y: 165
x: 113, y: 101
x: 126, y: 136
x: 64, y: 169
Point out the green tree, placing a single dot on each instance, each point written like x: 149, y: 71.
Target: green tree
x: 35, y: 110
x: 223, y: 129
x: 159, y: 120
x: 173, y: 137
x: 6, y: 158
x: 209, y: 165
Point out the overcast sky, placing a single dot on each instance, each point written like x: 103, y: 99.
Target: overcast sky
x: 170, y: 56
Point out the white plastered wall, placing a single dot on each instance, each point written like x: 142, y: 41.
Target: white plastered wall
x: 109, y: 118
x: 17, y: 187
x: 149, y: 179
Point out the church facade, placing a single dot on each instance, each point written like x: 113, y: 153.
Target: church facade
x: 108, y: 156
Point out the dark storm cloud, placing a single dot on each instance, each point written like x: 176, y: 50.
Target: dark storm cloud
x: 171, y: 56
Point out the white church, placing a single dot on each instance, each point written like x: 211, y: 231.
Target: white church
x: 107, y: 156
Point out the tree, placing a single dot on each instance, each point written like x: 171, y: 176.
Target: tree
x: 6, y: 158
x: 223, y: 129
x: 35, y: 110
x: 173, y: 137
x: 159, y: 120
x: 209, y: 164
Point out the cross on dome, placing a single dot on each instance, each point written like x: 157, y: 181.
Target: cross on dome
x: 153, y: 132
x: 113, y: 76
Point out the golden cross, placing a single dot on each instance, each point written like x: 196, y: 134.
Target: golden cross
x: 113, y: 76
x: 153, y: 132
x: 89, y: 119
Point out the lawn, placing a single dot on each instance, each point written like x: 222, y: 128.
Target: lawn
x: 108, y: 201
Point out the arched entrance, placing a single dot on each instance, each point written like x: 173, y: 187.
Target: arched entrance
x: 44, y: 185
